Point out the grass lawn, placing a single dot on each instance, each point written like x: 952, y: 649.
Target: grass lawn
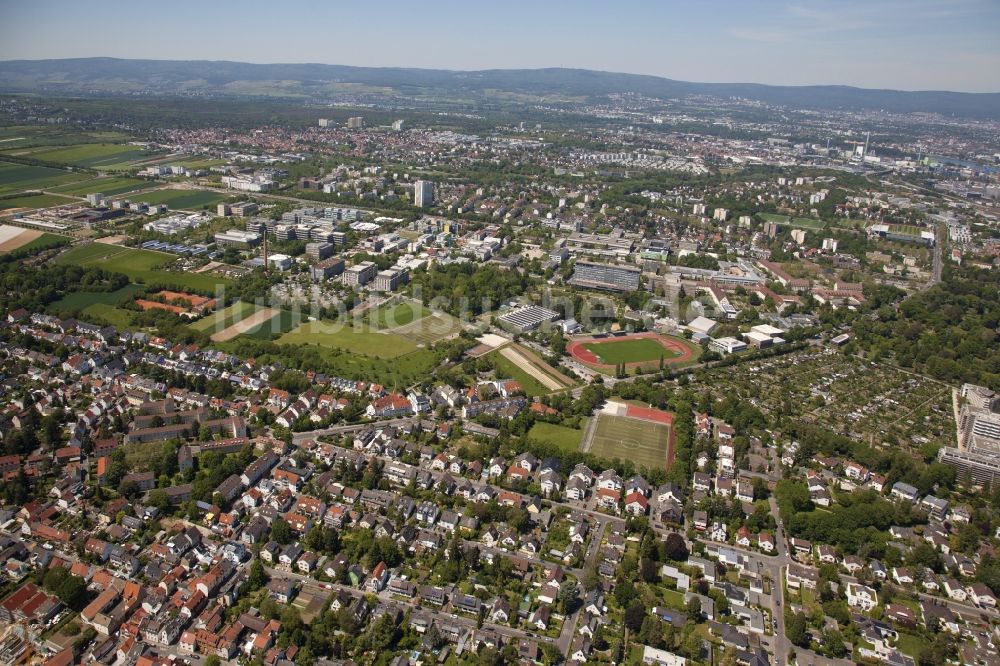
x: 188, y: 199
x: 107, y: 186
x: 394, y: 373
x: 20, y: 177
x: 81, y: 300
x: 362, y: 340
x: 639, y: 350
x: 139, y: 456
x: 400, y: 314
x: 142, y: 266
x: 911, y: 644
x: 567, y: 439
x: 674, y: 598
x: 642, y: 442
x: 386, y: 358
x: 223, y: 319
x: 115, y: 316
x: 35, y: 201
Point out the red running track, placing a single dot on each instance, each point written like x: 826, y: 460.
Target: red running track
x: 577, y: 350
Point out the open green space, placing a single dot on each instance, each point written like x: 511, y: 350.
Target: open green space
x: 223, y: 319
x: 359, y: 340
x: 106, y: 186
x: 638, y: 350
x: 20, y: 177
x: 400, y: 314
x: 391, y: 360
x: 186, y: 199
x: 118, y: 317
x: 507, y: 369
x: 625, y: 438
x: 144, y: 266
x: 34, y: 201
x: 567, y: 439
x: 80, y: 300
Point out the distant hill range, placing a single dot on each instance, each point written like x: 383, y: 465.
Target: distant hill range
x: 80, y: 76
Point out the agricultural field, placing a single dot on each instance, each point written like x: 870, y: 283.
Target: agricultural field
x: 567, y: 439
x: 35, y: 201
x: 505, y: 369
x: 223, y: 319
x: 36, y: 136
x: 533, y: 374
x: 94, y: 155
x: 14, y: 239
x: 20, y: 177
x: 107, y: 186
x: 643, y: 442
x: 144, y: 266
x: 44, y: 241
x: 359, y: 340
x: 861, y: 399
x: 262, y: 323
x: 183, y: 199
x: 191, y: 162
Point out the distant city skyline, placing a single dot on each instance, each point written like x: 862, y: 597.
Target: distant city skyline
x: 898, y: 44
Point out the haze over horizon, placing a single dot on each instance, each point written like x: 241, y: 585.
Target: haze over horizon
x: 921, y: 45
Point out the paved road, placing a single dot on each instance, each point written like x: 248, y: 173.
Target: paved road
x: 299, y: 437
x: 569, y: 626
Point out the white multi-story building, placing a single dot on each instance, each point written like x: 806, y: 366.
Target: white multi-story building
x: 360, y: 274
x: 423, y: 193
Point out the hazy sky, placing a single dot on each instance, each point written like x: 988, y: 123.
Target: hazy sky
x: 904, y: 44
